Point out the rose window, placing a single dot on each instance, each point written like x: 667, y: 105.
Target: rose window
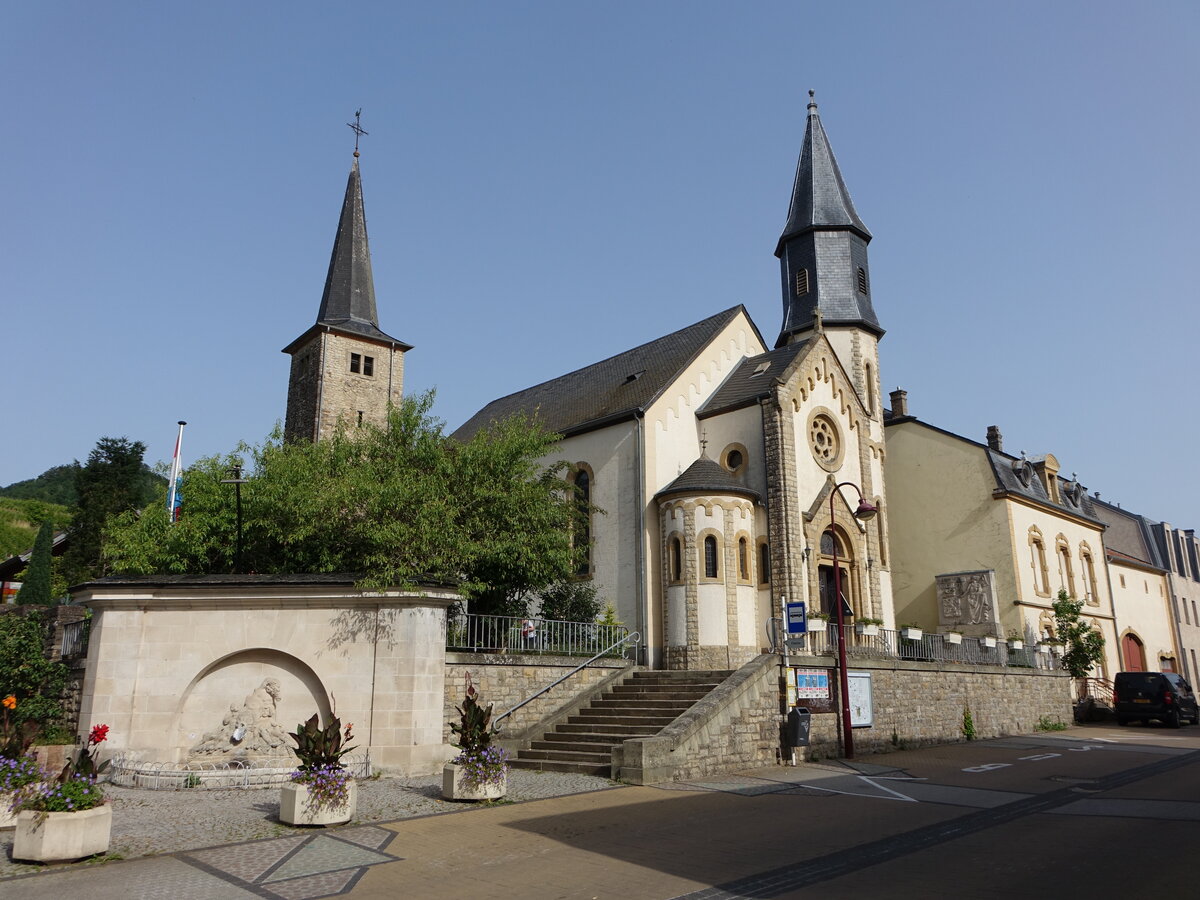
x: 824, y: 441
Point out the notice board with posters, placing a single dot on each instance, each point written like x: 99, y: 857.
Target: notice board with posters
x: 862, y: 711
x: 809, y: 688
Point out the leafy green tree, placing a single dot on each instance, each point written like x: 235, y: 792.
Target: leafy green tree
x: 571, y: 601
x: 394, y: 506
x: 1083, y: 645
x: 110, y: 483
x: 25, y: 673
x: 35, y: 587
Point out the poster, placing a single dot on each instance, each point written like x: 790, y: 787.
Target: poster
x: 862, y: 713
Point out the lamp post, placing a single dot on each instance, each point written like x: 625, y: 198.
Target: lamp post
x: 237, y: 481
x: 865, y: 510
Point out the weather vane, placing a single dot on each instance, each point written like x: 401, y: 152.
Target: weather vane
x: 356, y: 127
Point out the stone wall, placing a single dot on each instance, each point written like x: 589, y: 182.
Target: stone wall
x: 735, y: 727
x: 917, y: 703
x: 506, y: 680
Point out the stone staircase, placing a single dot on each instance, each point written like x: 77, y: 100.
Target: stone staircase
x: 640, y: 706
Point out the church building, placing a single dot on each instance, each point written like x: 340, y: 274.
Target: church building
x: 733, y: 472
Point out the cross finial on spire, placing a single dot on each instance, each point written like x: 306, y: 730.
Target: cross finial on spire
x: 812, y: 102
x: 704, y: 442
x: 356, y: 127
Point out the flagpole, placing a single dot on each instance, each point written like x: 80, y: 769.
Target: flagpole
x: 176, y: 471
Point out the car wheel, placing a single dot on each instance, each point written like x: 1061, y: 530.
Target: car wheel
x: 1173, y: 719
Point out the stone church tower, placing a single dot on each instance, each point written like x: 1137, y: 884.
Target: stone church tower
x: 823, y: 262
x: 344, y: 369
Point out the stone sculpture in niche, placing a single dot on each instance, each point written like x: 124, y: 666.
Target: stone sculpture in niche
x: 967, y: 602
x: 249, y: 730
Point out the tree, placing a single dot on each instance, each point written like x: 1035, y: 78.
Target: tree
x: 394, y: 506
x: 35, y: 587
x: 571, y: 601
x: 25, y: 673
x: 1083, y: 645
x: 110, y: 483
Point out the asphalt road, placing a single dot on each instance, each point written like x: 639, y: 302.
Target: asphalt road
x: 1096, y: 811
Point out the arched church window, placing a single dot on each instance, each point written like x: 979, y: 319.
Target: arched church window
x: 743, y: 559
x: 802, y: 282
x: 675, y: 559
x: 764, y: 563
x: 581, y: 538
x: 829, y: 543
x: 711, y: 569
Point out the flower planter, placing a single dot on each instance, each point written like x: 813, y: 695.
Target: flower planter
x: 455, y: 787
x: 298, y: 807
x: 867, y: 630
x: 952, y: 637
x: 62, y: 836
x: 988, y: 641
x: 1016, y: 645
x: 911, y: 634
x: 7, y: 818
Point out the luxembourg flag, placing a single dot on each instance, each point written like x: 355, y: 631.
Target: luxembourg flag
x: 175, y: 494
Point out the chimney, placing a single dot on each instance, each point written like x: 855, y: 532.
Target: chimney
x: 899, y: 403
x: 995, y: 440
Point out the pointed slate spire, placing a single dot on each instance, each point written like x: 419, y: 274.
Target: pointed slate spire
x: 823, y: 247
x: 349, y: 296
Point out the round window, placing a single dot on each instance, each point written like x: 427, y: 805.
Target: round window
x: 825, y: 441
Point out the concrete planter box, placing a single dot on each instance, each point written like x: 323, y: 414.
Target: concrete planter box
x: 62, y: 836
x: 7, y: 819
x: 952, y: 637
x: 454, y: 787
x: 911, y: 634
x: 1016, y: 645
x: 866, y: 630
x: 297, y: 807
x: 988, y: 641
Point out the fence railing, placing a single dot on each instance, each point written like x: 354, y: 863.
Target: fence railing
x: 546, y: 637
x: 887, y: 643
x: 202, y: 775
x: 75, y: 638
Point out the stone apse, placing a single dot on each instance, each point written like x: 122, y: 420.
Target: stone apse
x: 218, y: 668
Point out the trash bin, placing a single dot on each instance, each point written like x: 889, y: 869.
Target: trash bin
x: 799, y: 721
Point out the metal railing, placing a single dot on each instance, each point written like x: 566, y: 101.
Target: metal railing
x: 629, y: 638
x: 211, y: 776
x: 887, y: 643
x: 544, y: 637
x: 75, y: 638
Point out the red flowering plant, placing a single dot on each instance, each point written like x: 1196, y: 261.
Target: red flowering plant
x: 15, y: 737
x: 74, y: 788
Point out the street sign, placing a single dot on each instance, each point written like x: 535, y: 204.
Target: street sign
x: 797, y: 618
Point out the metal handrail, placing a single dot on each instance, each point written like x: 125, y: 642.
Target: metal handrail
x: 636, y: 636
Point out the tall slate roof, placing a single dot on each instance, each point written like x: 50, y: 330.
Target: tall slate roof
x: 348, y: 301
x: 819, y: 195
x: 1128, y: 534
x: 1008, y: 478
x: 616, y: 388
x: 750, y: 381
x: 706, y: 476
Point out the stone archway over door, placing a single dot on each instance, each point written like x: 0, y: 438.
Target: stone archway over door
x: 1133, y: 653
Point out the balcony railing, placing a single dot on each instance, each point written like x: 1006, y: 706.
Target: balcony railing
x: 888, y: 643
x: 543, y: 637
x: 75, y: 638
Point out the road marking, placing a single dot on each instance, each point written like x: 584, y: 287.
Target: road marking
x: 987, y: 767
x: 896, y: 794
x: 1038, y: 756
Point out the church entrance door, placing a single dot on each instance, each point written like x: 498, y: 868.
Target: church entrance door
x: 825, y: 577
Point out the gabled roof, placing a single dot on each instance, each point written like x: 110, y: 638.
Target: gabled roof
x: 348, y: 301
x: 706, y: 476
x: 820, y: 198
x: 617, y: 388
x: 752, y: 380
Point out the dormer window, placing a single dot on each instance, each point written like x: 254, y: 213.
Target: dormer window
x: 760, y: 369
x: 802, y: 282
x: 634, y: 376
x: 862, y: 280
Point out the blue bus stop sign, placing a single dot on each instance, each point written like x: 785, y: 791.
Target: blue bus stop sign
x: 797, y: 618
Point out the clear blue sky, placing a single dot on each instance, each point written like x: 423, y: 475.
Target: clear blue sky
x: 551, y: 183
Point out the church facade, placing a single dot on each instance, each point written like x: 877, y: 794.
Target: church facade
x: 730, y: 470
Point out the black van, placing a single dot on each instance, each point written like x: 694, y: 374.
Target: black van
x: 1154, y: 695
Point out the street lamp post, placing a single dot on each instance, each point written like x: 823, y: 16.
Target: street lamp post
x: 237, y: 481
x: 865, y: 511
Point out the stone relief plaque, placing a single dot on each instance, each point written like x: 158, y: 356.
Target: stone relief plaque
x: 967, y: 603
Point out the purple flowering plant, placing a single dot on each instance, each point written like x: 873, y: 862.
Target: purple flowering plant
x: 74, y: 789
x: 320, y: 751
x: 482, y: 763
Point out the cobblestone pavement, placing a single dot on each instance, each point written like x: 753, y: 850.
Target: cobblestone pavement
x: 146, y: 823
